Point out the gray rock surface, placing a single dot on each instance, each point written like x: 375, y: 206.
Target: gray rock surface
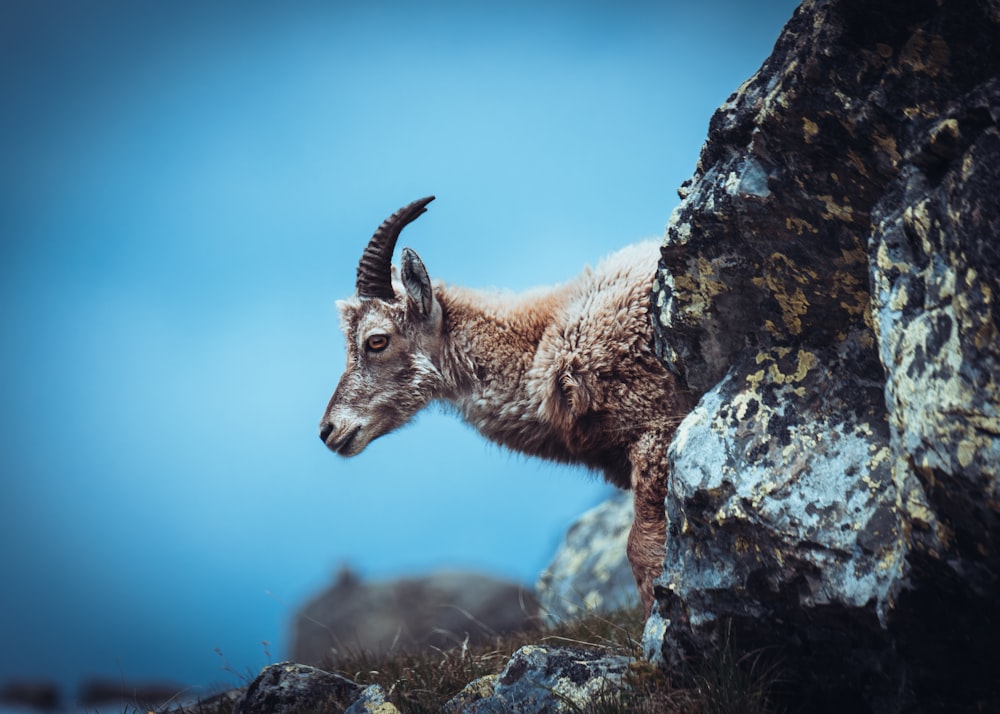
x: 828, y: 284
x: 540, y: 679
x: 372, y: 701
x: 289, y: 688
x: 590, y: 572
x: 438, y: 610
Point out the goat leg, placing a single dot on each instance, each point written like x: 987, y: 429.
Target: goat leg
x: 647, y: 539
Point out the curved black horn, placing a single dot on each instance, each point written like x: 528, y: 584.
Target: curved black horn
x: 375, y: 268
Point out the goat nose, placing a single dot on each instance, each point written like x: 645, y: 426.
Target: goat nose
x: 325, y: 429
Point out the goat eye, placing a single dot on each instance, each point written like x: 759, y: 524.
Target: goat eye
x: 377, y: 343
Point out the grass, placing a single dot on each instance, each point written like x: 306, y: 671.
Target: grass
x: 418, y: 682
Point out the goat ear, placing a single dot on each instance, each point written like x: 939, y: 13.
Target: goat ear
x: 417, y: 282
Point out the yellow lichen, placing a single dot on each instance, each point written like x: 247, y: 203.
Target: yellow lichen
x: 793, y: 307
x: 900, y: 299
x: 888, y: 145
x: 809, y: 129
x: 928, y: 55
x: 966, y: 452
x: 800, y: 226
x: 835, y: 210
x: 947, y: 127
x: 805, y: 361
x: 763, y: 357
x: 857, y: 162
x: 917, y: 217
x: 741, y: 545
x: 968, y: 165
x: 918, y: 510
x: 793, y: 304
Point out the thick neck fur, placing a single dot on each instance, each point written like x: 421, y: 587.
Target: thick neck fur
x: 491, y: 341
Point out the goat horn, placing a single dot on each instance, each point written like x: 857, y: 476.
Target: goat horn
x: 375, y: 268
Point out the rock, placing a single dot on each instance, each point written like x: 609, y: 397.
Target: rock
x: 474, y: 691
x: 781, y: 510
x: 439, y: 610
x: 99, y: 692
x: 372, y: 701
x: 224, y: 701
x: 544, y: 679
x: 827, y: 284
x: 289, y: 688
x: 38, y: 695
x: 590, y: 571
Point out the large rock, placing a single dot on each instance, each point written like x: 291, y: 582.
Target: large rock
x: 590, y: 572
x: 439, y: 610
x: 828, y: 284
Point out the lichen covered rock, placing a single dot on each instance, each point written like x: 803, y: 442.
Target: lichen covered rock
x: 782, y: 516
x: 541, y: 679
x: 590, y: 572
x: 372, y: 701
x: 828, y: 285
x: 289, y: 688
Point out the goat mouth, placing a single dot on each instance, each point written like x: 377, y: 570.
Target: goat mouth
x: 343, y: 446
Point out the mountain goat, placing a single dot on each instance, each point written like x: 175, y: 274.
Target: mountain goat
x: 568, y: 373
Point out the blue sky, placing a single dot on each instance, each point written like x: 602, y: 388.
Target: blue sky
x: 186, y: 190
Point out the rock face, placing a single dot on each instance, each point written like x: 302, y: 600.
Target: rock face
x: 590, y: 571
x: 438, y: 610
x: 828, y: 285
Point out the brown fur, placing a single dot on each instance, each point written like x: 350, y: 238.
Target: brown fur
x: 567, y: 374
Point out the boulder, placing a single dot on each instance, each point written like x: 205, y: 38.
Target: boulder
x: 590, y: 572
x: 827, y: 284
x: 289, y: 688
x: 439, y: 610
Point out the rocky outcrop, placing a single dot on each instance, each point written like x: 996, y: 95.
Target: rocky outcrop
x: 438, y: 610
x: 590, y: 572
x: 828, y: 285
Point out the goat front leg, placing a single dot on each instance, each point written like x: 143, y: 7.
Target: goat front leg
x: 648, y: 537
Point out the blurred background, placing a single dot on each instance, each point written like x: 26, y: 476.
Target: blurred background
x: 185, y: 189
